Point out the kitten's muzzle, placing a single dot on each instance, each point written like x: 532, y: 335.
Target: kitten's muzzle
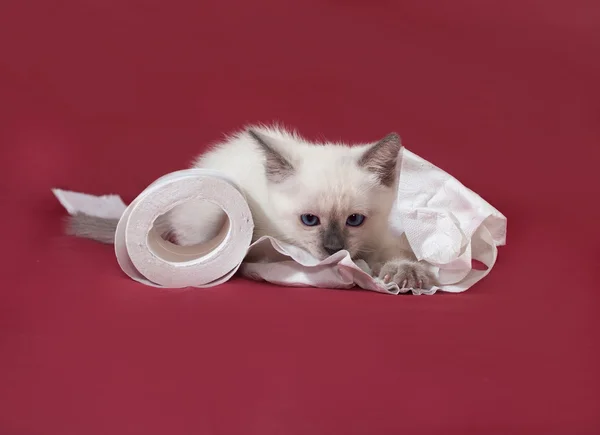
x: 333, y: 239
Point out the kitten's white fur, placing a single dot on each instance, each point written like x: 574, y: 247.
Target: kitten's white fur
x: 326, y: 180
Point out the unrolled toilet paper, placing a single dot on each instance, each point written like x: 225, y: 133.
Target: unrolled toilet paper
x: 445, y: 223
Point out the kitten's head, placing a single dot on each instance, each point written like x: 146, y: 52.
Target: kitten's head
x: 327, y: 198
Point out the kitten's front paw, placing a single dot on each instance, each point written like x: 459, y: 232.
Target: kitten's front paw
x: 407, y: 274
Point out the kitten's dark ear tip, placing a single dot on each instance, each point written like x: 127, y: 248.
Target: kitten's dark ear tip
x: 393, y: 137
x: 277, y: 167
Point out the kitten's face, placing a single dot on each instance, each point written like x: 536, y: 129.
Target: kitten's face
x: 331, y: 198
x: 325, y: 212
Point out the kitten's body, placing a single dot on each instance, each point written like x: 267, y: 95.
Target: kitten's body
x: 325, y: 177
x: 285, y: 177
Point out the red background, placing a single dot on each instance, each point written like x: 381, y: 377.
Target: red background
x: 105, y: 96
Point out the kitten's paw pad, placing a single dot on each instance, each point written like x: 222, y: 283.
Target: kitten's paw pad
x: 407, y: 274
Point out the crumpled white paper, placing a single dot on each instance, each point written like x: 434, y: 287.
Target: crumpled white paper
x: 446, y: 225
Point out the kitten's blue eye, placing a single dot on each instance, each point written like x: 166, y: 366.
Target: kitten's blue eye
x: 355, y: 220
x: 310, y: 220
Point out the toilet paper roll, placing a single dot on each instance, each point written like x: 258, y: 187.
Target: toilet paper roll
x: 146, y: 257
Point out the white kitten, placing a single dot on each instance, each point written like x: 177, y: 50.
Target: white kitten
x: 320, y: 197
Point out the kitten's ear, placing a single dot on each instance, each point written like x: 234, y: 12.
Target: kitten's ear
x: 381, y: 158
x: 278, y: 168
